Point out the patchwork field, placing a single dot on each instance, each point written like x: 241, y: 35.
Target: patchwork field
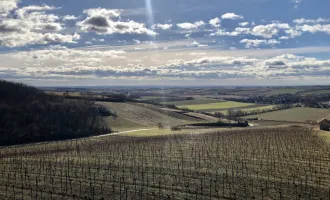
x: 197, y: 100
x: 217, y: 106
x: 294, y: 114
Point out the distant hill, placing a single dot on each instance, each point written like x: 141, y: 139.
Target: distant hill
x: 28, y: 114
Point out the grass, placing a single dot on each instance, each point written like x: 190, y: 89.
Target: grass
x: 294, y: 114
x: 217, y: 106
x: 134, y: 115
x: 162, y: 132
x: 324, y: 134
x: 250, y: 109
x: 119, y: 124
x: 197, y: 100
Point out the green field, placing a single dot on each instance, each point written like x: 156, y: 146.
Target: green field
x: 316, y: 92
x: 217, y: 106
x: 294, y: 114
x: 197, y: 100
x: 249, y: 109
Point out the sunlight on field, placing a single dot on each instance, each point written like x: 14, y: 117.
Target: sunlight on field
x: 215, y: 106
x: 248, y: 109
x: 229, y: 164
x: 325, y: 135
x: 294, y: 114
x: 159, y: 132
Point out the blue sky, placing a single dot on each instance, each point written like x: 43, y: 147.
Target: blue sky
x: 173, y: 42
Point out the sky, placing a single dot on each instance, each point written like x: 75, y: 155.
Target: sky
x: 172, y: 42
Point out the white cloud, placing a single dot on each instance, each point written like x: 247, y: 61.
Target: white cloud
x: 292, y: 33
x: 21, y: 13
x: 215, y: 22
x: 104, y: 21
x: 194, y: 25
x: 315, y: 28
x: 269, y: 30
x: 103, y: 12
x: 162, y: 26
x: 137, y: 41
x: 236, y: 32
x: 195, y: 43
x: 296, y: 3
x: 6, y: 6
x: 69, y: 17
x: 256, y: 43
x: 231, y: 16
x: 310, y: 21
x: 244, y: 24
x: 31, y: 25
x: 93, y: 63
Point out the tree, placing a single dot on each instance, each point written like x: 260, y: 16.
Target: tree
x: 160, y: 125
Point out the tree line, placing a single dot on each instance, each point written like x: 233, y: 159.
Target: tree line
x: 31, y: 115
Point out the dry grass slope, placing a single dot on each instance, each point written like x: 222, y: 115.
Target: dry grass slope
x: 147, y: 116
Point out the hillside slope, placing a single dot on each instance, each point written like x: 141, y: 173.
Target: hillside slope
x: 144, y: 115
x: 30, y: 115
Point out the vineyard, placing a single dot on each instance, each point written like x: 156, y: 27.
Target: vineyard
x: 256, y: 163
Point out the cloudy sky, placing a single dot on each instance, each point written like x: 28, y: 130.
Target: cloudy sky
x: 172, y: 42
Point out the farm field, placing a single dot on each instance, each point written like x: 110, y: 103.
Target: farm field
x: 283, y: 91
x: 197, y: 100
x: 133, y: 115
x: 203, y: 116
x: 255, y: 163
x: 294, y: 114
x: 217, y: 106
x: 261, y: 107
x: 316, y: 92
x: 119, y: 124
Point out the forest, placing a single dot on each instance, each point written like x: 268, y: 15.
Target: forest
x: 28, y: 114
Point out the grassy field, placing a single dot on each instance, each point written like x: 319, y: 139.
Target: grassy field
x: 217, y: 106
x: 132, y: 115
x: 162, y: 132
x: 316, y: 92
x: 197, y: 100
x: 294, y: 114
x: 119, y: 124
x: 250, y: 109
x: 268, y: 163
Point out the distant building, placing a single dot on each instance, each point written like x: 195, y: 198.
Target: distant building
x: 324, y: 124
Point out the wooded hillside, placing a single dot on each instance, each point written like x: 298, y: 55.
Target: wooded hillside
x: 28, y: 114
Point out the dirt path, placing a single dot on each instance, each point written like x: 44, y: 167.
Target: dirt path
x: 119, y: 133
x: 91, y: 137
